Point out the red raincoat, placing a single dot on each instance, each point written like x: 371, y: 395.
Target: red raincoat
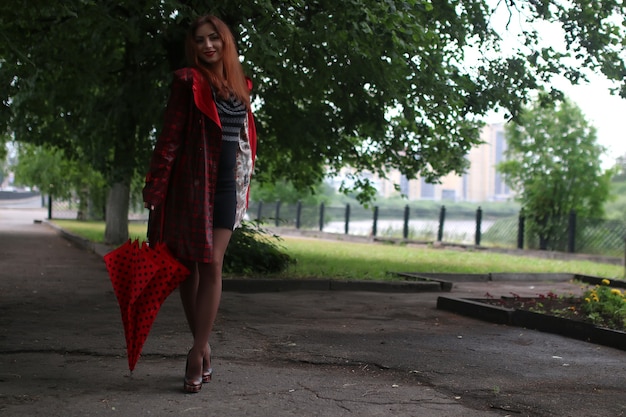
x: 182, y: 175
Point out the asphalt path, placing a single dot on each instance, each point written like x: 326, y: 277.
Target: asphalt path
x: 287, y: 353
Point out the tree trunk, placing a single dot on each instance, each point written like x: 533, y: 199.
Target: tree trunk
x: 116, y: 230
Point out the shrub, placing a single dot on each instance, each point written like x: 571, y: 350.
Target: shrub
x: 254, y: 251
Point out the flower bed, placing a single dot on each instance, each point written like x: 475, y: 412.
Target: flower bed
x: 584, y: 318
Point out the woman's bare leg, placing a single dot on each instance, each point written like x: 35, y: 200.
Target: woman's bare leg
x: 208, y: 299
x: 188, y: 290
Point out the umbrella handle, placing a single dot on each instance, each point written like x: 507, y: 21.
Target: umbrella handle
x: 161, y: 223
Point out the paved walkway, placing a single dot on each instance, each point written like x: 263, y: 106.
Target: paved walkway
x: 298, y: 353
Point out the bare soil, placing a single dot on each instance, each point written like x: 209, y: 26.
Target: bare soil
x: 552, y: 305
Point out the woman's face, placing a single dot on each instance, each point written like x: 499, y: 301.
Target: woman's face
x: 209, y: 45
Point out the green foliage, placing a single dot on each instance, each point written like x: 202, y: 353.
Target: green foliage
x: 286, y: 192
x: 601, y: 237
x: 553, y: 163
x: 375, y: 85
x: 615, y: 208
x: 3, y: 150
x: 605, y: 306
x: 620, y: 170
x: 52, y: 172
x: 44, y: 168
x: 253, y: 251
x: 3, y: 157
x: 503, y: 233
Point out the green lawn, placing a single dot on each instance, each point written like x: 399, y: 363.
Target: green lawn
x: 323, y: 258
x: 340, y: 259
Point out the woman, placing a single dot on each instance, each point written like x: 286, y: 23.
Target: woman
x: 199, y: 176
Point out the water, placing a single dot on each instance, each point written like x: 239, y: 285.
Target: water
x: 462, y: 231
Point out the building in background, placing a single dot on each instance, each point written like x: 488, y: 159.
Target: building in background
x: 481, y: 181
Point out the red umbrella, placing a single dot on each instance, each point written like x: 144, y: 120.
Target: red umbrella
x: 142, y: 277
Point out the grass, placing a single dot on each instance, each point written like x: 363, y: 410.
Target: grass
x: 349, y: 260
x: 94, y: 230
x: 323, y: 258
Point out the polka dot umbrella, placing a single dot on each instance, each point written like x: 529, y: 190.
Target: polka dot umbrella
x: 142, y: 277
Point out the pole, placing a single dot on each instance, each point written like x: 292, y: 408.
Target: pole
x: 442, y: 219
x: 375, y: 222
x: 298, y: 214
x: 479, y: 222
x: 405, y: 229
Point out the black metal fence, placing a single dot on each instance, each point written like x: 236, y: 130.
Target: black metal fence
x: 450, y: 226
x: 481, y: 228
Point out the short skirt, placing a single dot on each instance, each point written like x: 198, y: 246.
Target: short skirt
x: 225, y: 203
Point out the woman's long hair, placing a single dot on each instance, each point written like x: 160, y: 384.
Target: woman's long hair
x: 233, y: 80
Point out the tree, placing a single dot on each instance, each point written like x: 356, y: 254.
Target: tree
x: 620, y: 169
x: 90, y: 78
x: 53, y: 173
x: 3, y: 157
x: 285, y: 192
x: 616, y: 206
x: 554, y: 165
x: 370, y: 84
x: 42, y: 167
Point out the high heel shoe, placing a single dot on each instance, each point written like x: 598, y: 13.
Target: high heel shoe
x: 191, y: 386
x: 207, y: 373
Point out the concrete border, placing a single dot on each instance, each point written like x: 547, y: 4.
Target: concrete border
x: 532, y: 320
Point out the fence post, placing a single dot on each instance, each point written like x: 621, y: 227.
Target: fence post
x: 520, y: 230
x: 405, y: 229
x: 442, y: 219
x: 321, y: 217
x: 277, y: 217
x: 375, y: 222
x: 298, y: 214
x: 347, y: 227
x: 479, y: 223
x: 571, y: 232
x: 259, y: 211
x: 49, y: 206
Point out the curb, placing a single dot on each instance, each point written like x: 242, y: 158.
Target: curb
x: 280, y: 285
x: 447, y: 280
x: 532, y: 320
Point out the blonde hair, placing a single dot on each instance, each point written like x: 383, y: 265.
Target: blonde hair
x: 232, y: 81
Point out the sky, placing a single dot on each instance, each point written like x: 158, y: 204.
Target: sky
x: 603, y: 110
x: 606, y: 112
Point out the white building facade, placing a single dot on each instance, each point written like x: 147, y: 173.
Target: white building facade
x: 481, y: 182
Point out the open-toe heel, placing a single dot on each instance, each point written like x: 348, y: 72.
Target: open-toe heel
x: 206, y: 375
x: 192, y: 385
x: 207, y: 372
